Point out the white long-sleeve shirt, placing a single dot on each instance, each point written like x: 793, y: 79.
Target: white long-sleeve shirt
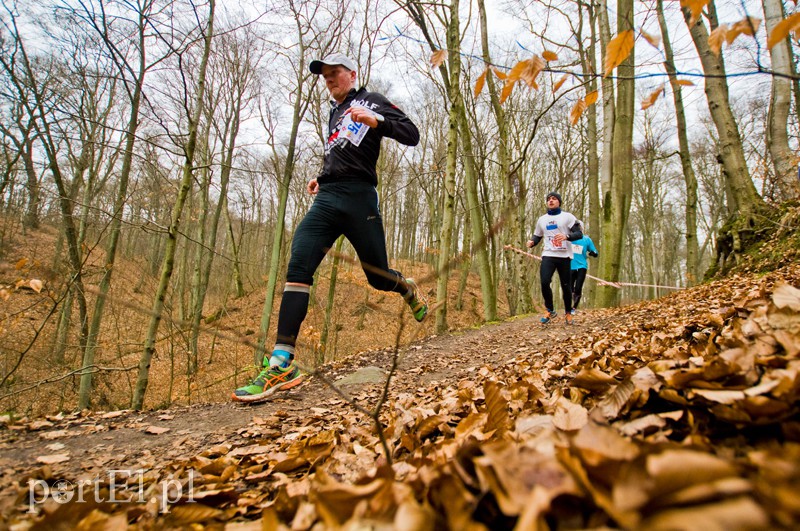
x: 547, y: 226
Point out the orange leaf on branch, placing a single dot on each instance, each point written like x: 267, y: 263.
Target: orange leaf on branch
x: 526, y: 70
x: 717, y: 37
x: 514, y: 74
x: 591, y: 98
x: 499, y: 73
x: 747, y: 26
x: 438, y: 57
x: 725, y: 33
x: 654, y: 40
x: 695, y: 7
x: 782, y: 29
x: 507, y: 88
x: 619, y: 48
x: 560, y: 82
x: 480, y: 82
x: 652, y: 98
x: 576, y: 112
x: 547, y: 55
x: 533, y: 67
x: 685, y: 83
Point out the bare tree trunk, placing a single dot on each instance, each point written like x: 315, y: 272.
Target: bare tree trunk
x: 239, y: 70
x: 172, y: 236
x: 280, y: 224
x: 742, y: 195
x: 323, y: 338
x: 617, y: 200
x: 84, y: 393
x: 62, y: 329
x: 203, y: 249
x: 606, y: 161
x: 448, y: 220
x: 237, y: 268
x: 479, y: 237
x: 466, y: 265
x: 593, y: 162
x: 450, y: 76
x: 34, y: 92
x: 783, y: 159
x: 24, y: 143
x: 589, y: 66
x: 690, y: 179
x: 452, y: 83
x: 513, y: 261
x: 31, y: 218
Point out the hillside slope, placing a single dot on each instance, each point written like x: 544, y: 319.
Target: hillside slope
x: 38, y: 380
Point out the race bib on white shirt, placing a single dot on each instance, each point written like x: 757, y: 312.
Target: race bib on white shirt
x: 551, y: 245
x: 354, y: 132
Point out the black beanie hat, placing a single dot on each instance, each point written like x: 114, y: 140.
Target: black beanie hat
x: 553, y: 194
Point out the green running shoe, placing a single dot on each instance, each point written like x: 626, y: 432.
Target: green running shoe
x: 417, y: 303
x: 269, y: 381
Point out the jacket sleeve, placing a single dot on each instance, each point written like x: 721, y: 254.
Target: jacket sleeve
x: 396, y: 125
x: 538, y: 233
x: 575, y: 232
x: 592, y: 249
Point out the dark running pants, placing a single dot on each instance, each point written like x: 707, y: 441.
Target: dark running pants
x: 550, y: 265
x: 340, y: 208
x: 578, y: 277
x: 351, y: 209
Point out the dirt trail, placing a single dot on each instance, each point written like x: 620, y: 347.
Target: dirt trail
x: 99, y: 442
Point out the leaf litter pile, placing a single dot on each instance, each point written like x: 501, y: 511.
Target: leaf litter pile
x: 683, y: 416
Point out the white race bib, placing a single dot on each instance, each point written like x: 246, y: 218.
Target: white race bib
x: 551, y: 245
x: 353, y: 131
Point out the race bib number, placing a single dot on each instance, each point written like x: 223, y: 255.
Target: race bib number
x: 577, y: 249
x: 352, y: 131
x: 551, y: 245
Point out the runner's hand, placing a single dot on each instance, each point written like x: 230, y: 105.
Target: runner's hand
x: 364, y: 116
x: 312, y: 186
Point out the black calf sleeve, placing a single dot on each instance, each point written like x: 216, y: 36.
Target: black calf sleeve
x: 294, y: 307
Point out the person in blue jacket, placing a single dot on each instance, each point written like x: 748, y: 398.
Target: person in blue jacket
x: 580, y: 249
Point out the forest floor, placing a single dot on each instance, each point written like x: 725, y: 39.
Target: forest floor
x: 678, y: 413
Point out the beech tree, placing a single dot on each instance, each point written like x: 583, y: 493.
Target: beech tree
x: 783, y: 158
x: 743, y: 199
x: 690, y: 219
x: 616, y: 194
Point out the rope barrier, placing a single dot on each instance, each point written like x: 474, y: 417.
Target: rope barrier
x: 600, y: 281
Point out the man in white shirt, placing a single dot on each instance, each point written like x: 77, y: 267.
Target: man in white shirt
x: 556, y: 228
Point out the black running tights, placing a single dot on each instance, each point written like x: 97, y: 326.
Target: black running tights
x: 550, y: 265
